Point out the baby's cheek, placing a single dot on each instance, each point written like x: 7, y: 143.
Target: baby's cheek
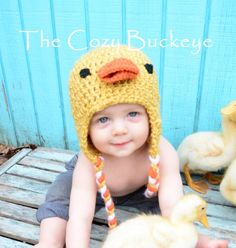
x: 135, y: 119
x: 98, y: 143
x: 145, y: 130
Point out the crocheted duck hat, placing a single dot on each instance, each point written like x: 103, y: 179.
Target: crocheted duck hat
x: 107, y: 76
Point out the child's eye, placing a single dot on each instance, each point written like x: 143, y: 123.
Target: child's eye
x: 133, y: 114
x: 103, y: 120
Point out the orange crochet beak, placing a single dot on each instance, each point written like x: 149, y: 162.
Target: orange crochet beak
x: 118, y: 70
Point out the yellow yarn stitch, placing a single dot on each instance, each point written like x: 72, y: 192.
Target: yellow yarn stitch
x: 90, y: 95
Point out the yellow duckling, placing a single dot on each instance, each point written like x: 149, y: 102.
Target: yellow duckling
x: 156, y: 231
x: 228, y: 184
x: 206, y: 152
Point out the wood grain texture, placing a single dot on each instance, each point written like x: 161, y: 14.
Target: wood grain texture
x: 33, y: 173
x: 42, y: 163
x: 16, y: 80
x: 195, y: 82
x: 10, y: 243
x: 220, y: 65
x: 22, y: 191
x: 7, y: 128
x: 18, y: 212
x: 53, y: 154
x: 21, y: 196
x: 10, y: 162
x: 19, y: 230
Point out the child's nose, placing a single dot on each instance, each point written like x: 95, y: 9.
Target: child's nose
x: 119, y: 129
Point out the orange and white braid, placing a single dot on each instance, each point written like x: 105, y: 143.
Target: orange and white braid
x: 153, y: 177
x: 105, y: 193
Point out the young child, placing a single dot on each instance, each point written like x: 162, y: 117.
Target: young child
x: 115, y: 104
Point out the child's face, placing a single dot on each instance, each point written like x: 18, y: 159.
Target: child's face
x: 119, y: 130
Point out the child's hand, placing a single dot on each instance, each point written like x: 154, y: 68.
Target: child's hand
x: 206, y: 242
x: 216, y: 243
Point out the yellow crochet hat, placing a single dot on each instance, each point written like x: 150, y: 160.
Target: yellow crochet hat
x: 107, y: 76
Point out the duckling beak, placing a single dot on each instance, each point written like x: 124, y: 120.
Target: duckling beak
x: 204, y: 220
x: 118, y: 70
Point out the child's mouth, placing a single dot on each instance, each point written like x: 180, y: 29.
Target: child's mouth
x: 121, y: 144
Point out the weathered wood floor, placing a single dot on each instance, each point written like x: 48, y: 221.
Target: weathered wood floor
x: 24, y: 180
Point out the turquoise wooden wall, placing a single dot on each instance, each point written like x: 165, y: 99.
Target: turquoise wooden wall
x: 195, y: 82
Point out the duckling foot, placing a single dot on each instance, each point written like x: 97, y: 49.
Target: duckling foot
x: 213, y: 179
x: 199, y: 186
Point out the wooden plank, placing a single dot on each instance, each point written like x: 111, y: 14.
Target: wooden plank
x: 222, y: 224
x: 211, y: 196
x: 20, y: 196
x: 27, y: 215
x: 41, y: 163
x: 10, y: 162
x: 33, y: 173
x: 11, y: 243
x: 18, y: 212
x: 217, y: 211
x: 21, y: 108
x: 30, y: 233
x: 19, y: 230
x: 54, y: 154
x: 95, y: 243
x: 68, y: 18
x: 122, y: 215
x: 24, y: 183
x: 218, y: 87
x: 220, y: 211
x: 25, y: 191
x: 7, y: 130
x: 98, y: 232
x: 179, y: 98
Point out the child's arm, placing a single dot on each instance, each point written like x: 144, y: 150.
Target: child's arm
x: 171, y: 188
x: 82, y: 204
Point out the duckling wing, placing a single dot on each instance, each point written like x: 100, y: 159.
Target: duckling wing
x: 203, y: 151
x: 151, y: 231
x: 185, y: 236
x: 141, y: 232
x: 167, y: 234
x: 132, y: 233
x: 214, y: 146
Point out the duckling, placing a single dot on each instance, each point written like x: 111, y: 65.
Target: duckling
x: 228, y: 184
x: 156, y: 231
x: 206, y: 152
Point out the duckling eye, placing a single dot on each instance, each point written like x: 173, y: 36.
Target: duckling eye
x: 84, y: 73
x: 149, y: 68
x: 203, y: 208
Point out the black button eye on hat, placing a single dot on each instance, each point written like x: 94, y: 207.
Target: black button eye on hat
x: 149, y: 68
x: 84, y: 73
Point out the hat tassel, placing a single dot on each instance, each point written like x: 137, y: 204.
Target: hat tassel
x: 153, y: 177
x: 105, y: 193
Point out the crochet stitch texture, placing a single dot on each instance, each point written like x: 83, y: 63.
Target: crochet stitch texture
x: 107, y: 76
